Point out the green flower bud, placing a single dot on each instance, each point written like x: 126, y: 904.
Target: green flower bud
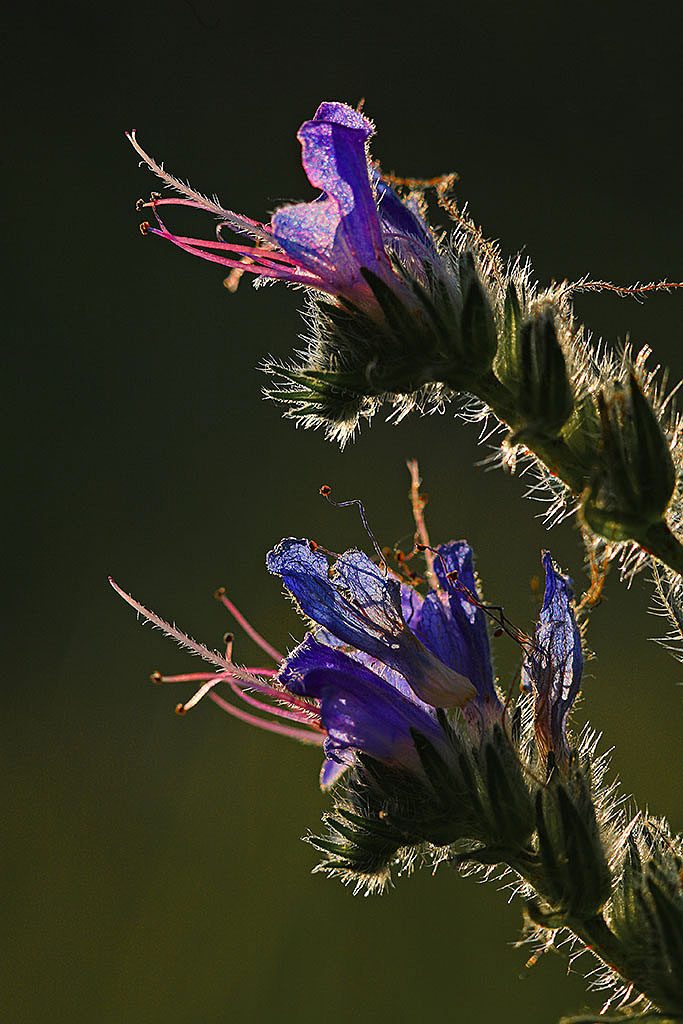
x: 511, y: 820
x: 647, y: 918
x: 532, y: 365
x: 477, y: 341
x: 635, y: 478
x: 574, y: 862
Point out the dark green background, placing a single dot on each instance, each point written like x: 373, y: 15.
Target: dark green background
x: 154, y: 870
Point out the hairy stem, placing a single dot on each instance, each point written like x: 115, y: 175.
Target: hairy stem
x: 657, y: 540
x: 552, y: 451
x: 594, y: 933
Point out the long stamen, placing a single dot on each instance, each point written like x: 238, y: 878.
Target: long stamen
x: 182, y: 709
x: 239, y: 223
x: 296, y: 710
x: 261, y: 261
x: 182, y: 639
x: 271, y: 651
x: 183, y: 677
x: 309, y: 717
x: 196, y: 677
x: 315, y: 738
x: 268, y: 270
x: 253, y: 251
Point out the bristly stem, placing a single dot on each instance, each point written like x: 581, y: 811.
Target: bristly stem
x: 552, y: 451
x: 594, y: 932
x: 657, y: 540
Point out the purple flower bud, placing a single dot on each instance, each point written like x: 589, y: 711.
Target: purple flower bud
x: 552, y: 669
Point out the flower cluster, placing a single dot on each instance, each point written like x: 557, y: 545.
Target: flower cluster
x: 399, y: 314
x: 425, y: 761
x: 392, y: 676
x: 423, y: 756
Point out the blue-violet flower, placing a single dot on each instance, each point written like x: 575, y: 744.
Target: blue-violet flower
x: 382, y: 661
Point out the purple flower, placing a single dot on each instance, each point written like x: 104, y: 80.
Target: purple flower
x: 361, y: 607
x: 382, y: 658
x: 346, y: 242
x: 359, y: 710
x: 383, y: 662
x: 553, y: 667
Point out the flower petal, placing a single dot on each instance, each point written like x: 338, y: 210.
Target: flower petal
x: 402, y: 218
x: 359, y: 711
x: 468, y: 638
x: 553, y: 670
x: 353, y: 599
x: 361, y: 606
x: 340, y: 232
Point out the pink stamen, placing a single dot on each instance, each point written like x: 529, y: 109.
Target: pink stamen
x: 248, y: 250
x: 201, y: 692
x: 248, y: 628
x: 191, y: 196
x: 255, y: 268
x: 294, y: 276
x: 184, y: 677
x: 264, y: 232
x: 255, y: 684
x: 213, y: 657
x: 296, y: 710
x: 289, y: 271
x: 314, y: 738
x: 309, y: 717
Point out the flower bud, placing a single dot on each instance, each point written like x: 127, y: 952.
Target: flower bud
x: 647, y: 916
x: 532, y: 365
x: 511, y: 819
x: 635, y: 479
x: 575, y: 867
x: 474, y: 345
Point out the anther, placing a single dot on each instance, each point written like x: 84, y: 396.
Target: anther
x: 140, y: 205
x: 228, y: 638
x: 313, y: 545
x: 219, y: 593
x: 180, y: 709
x: 156, y: 677
x: 421, y: 547
x: 154, y: 197
x: 325, y: 490
x: 144, y: 227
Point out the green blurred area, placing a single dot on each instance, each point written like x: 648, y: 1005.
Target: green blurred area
x: 153, y: 866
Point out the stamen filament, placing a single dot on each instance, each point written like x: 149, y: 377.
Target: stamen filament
x: 255, y: 268
x: 305, y: 718
x: 314, y: 738
x: 182, y: 639
x: 184, y: 677
x: 418, y: 503
x: 247, y: 627
x: 239, y: 223
x: 252, y: 251
x: 201, y: 692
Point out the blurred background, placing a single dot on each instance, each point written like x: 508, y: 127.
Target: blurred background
x: 153, y: 869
